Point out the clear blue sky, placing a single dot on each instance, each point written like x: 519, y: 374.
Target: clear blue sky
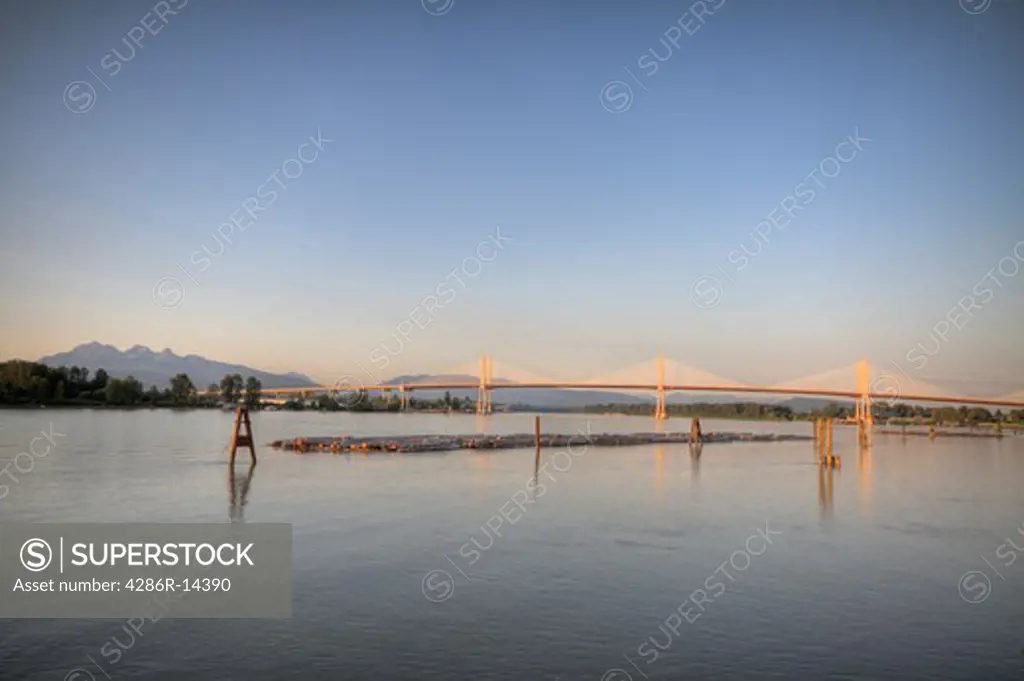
x: 447, y: 127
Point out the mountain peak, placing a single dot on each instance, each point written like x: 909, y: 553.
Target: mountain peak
x: 157, y: 368
x: 94, y: 345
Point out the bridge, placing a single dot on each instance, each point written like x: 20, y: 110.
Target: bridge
x: 857, y: 382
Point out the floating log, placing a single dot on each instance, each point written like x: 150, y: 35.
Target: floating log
x: 442, y: 443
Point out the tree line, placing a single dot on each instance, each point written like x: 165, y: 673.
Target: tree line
x: 965, y: 416
x: 725, y: 410
x: 24, y: 382
x: 362, y: 401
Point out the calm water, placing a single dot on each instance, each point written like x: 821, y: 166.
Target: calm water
x: 861, y: 582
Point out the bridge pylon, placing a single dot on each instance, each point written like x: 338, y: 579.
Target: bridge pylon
x: 865, y: 421
x: 660, y: 404
x: 484, y: 403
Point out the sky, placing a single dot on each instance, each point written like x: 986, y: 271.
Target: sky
x: 761, y: 189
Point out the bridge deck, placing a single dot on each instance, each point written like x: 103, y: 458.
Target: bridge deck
x: 810, y: 392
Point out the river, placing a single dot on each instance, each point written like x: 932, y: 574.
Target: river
x: 856, y: 573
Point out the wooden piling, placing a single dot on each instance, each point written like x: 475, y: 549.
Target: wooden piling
x: 536, y: 440
x: 828, y: 437
x: 819, y: 438
x: 241, y: 436
x: 695, y: 434
x: 823, y: 443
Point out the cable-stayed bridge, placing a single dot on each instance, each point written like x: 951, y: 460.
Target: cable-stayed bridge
x: 661, y: 376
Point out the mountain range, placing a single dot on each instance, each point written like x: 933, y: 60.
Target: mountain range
x: 157, y: 368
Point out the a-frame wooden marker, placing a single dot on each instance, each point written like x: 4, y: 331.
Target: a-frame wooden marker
x: 242, y: 435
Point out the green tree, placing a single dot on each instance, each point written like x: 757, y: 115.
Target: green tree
x: 836, y: 411
x: 253, y: 392
x: 231, y: 388
x: 78, y: 381
x: 124, y: 391
x: 182, y: 389
x: 99, y: 381
x: 978, y: 415
x: 327, y: 403
x: 361, y: 402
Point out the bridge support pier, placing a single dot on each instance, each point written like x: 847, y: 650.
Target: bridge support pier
x: 403, y: 396
x: 484, y: 404
x: 661, y: 404
x: 865, y: 421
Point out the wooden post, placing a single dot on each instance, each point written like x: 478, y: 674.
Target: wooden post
x: 828, y: 438
x: 242, y: 435
x: 819, y: 438
x: 536, y: 456
x: 859, y: 418
x: 695, y: 434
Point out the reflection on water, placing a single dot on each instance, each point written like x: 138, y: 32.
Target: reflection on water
x: 865, y: 478
x: 826, y: 476
x: 239, y: 495
x: 695, y: 451
x: 659, y: 467
x: 586, y: 570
